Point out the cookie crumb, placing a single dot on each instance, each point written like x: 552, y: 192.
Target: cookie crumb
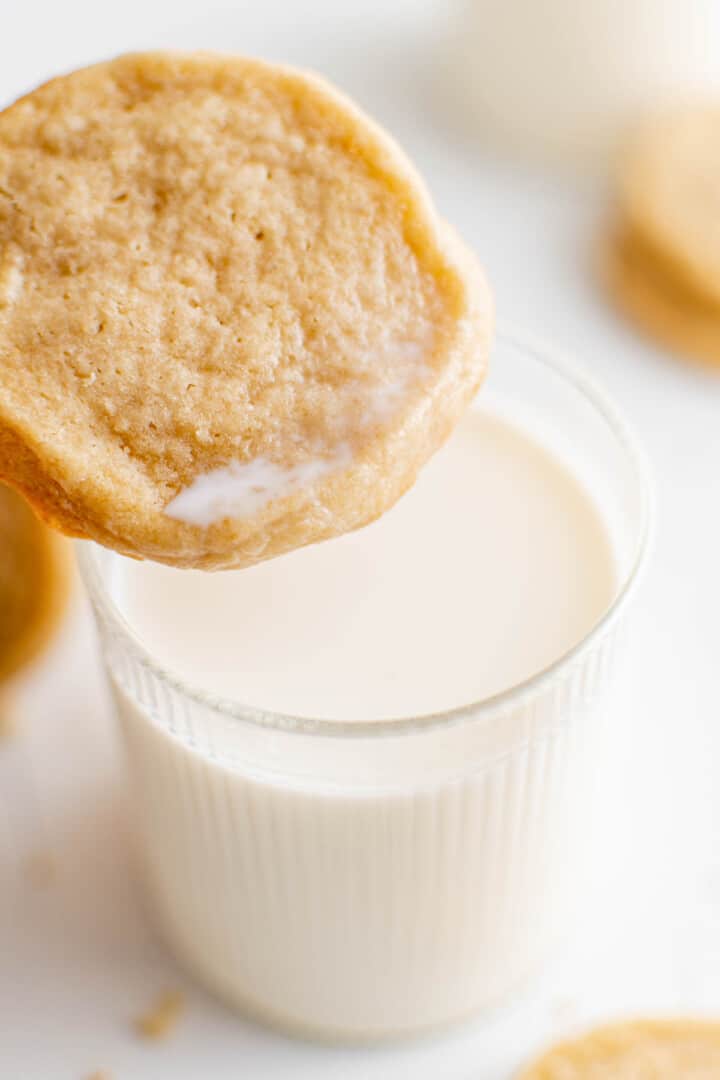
x: 162, y: 1016
x: 41, y: 869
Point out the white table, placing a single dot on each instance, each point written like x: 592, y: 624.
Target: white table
x: 78, y: 959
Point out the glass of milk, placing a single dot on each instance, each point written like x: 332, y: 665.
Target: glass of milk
x: 361, y: 771
x: 563, y: 79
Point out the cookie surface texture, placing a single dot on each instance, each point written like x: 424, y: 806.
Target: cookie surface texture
x: 231, y: 322
x: 642, y: 1050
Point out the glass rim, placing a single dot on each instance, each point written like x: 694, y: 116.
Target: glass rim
x: 485, y: 708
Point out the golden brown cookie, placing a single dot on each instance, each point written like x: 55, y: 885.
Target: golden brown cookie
x: 34, y: 579
x: 656, y: 297
x: 670, y: 194
x: 230, y: 321
x: 640, y: 1050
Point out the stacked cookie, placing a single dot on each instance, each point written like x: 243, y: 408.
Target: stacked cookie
x: 663, y: 263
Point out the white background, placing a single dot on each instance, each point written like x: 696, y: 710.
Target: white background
x: 77, y: 958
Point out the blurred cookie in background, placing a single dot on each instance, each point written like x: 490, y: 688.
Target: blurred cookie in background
x: 35, y: 576
x: 660, y: 302
x: 636, y: 1050
x: 662, y: 263
x: 670, y: 193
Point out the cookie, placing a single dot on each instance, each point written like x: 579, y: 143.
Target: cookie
x: 670, y: 194
x: 658, y: 299
x: 231, y: 322
x: 34, y: 579
x: 641, y: 1050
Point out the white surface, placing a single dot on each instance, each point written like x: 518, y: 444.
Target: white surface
x: 78, y: 959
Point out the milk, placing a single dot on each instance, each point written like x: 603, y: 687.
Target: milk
x: 492, y: 567
x: 366, y: 878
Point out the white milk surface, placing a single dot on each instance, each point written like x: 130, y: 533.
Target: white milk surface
x: 493, y: 566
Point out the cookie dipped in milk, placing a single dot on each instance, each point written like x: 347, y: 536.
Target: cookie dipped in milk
x: 231, y: 321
